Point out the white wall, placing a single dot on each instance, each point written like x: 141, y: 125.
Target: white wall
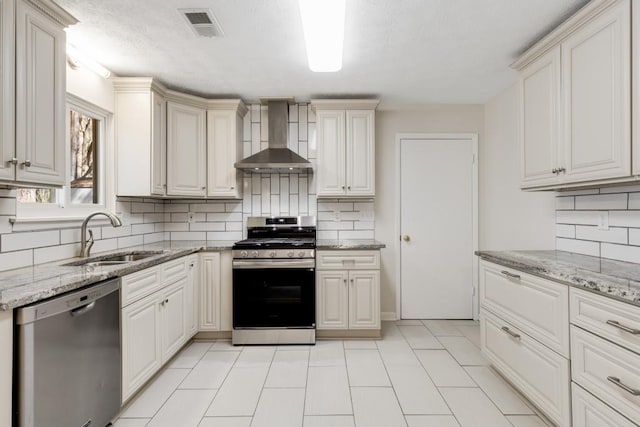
x: 421, y: 119
x: 509, y: 218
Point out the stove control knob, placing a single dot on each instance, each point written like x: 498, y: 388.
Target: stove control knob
x: 290, y: 254
x: 301, y: 254
x: 254, y: 254
x: 272, y: 254
x: 244, y: 254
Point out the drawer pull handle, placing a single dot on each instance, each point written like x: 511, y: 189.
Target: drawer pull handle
x: 510, y: 332
x: 624, y: 328
x: 506, y: 273
x: 625, y: 387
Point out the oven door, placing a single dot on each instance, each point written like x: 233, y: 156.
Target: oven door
x: 268, y: 295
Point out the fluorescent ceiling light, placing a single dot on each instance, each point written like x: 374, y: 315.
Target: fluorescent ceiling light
x: 77, y: 58
x: 323, y: 25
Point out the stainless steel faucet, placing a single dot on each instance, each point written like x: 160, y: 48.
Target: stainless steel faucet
x: 85, y: 244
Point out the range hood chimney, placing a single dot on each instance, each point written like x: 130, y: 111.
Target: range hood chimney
x: 277, y: 157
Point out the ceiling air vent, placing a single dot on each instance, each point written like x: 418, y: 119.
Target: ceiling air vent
x: 202, y: 22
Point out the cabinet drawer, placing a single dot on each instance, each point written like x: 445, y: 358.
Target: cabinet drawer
x: 537, y: 306
x: 610, y: 372
x: 591, y: 412
x: 592, y: 312
x: 140, y: 284
x: 540, y: 373
x: 174, y: 270
x: 341, y: 260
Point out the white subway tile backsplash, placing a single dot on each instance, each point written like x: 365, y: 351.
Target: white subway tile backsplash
x: 224, y: 235
x: 602, y: 202
x: 578, y: 246
x: 224, y: 216
x: 302, y: 123
x: 125, y: 242
x: 55, y: 253
x: 104, y: 245
x: 188, y: 235
x: 327, y: 234
x: 142, y: 228
x: 292, y: 141
x: 634, y: 200
x: 359, y: 234
x: 28, y: 240
x: 624, y: 218
x: 176, y: 226
x: 331, y: 225
x: 207, y: 207
x: 565, y: 203
x: 612, y: 235
x: 7, y: 206
x: 18, y: 259
x: 233, y: 226
x: 621, y: 252
x: 207, y: 226
x: 153, y: 238
x: 566, y: 230
x: 579, y: 192
x: 110, y: 232
x: 621, y: 189
x: 577, y: 217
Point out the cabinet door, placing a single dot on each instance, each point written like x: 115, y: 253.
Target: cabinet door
x: 222, y: 152
x: 539, y: 87
x: 141, y: 351
x: 210, y: 291
x: 364, y: 300
x: 332, y: 300
x: 597, y: 83
x: 185, y: 150
x: 173, y: 319
x: 158, y: 144
x: 331, y: 153
x: 7, y: 87
x: 360, y: 152
x: 191, y: 297
x: 40, y: 97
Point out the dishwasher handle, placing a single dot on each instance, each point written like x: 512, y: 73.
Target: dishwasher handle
x: 82, y: 310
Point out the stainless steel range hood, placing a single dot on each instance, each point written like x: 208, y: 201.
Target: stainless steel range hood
x: 277, y: 157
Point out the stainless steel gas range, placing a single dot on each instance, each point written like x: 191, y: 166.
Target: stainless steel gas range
x: 274, y: 284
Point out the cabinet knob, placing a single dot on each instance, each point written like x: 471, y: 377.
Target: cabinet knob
x: 349, y: 187
x: 345, y: 281
x: 406, y: 238
x: 232, y: 188
x: 563, y: 170
x: 343, y: 187
x: 351, y: 281
x: 13, y: 161
x: 554, y: 171
x: 204, y: 188
x: 27, y: 163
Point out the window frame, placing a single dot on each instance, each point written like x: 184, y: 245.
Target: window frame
x: 63, y: 210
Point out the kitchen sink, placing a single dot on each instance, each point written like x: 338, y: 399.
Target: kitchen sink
x: 115, y: 259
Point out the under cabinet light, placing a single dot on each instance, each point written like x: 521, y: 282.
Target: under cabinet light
x: 77, y: 58
x: 323, y: 26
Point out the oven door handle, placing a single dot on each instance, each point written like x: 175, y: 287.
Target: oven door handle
x: 242, y: 264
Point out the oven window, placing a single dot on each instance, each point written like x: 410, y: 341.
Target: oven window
x: 273, y: 298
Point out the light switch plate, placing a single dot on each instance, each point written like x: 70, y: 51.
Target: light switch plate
x: 603, y: 221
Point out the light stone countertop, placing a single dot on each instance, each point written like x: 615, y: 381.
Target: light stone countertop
x: 349, y: 244
x: 27, y: 285
x: 614, y: 279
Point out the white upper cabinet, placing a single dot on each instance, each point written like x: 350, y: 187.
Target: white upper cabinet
x: 7, y: 86
x: 32, y: 135
x: 575, y: 104
x: 141, y: 137
x: 539, y: 87
x: 224, y: 148
x: 635, y: 84
x: 186, y: 147
x: 345, y: 147
x: 331, y: 153
x: 596, y: 67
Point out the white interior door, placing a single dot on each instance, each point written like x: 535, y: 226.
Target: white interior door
x: 437, y: 225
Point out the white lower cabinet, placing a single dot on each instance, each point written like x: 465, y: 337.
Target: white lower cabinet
x: 591, y: 412
x: 159, y: 322
x: 210, y: 291
x: 141, y: 344
x: 348, y: 297
x: 192, y: 311
x: 537, y: 371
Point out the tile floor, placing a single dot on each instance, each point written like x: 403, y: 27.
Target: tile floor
x: 421, y: 374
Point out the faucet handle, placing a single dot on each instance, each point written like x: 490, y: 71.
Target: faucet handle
x: 89, y: 241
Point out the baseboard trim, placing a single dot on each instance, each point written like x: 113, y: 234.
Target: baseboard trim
x: 388, y: 315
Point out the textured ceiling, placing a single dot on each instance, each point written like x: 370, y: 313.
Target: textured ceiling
x: 403, y: 51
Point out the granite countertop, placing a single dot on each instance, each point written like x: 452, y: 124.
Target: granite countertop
x: 24, y: 286
x: 349, y: 244
x: 615, y: 279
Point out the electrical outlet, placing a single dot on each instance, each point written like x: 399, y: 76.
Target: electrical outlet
x: 336, y: 215
x: 191, y: 217
x: 603, y: 221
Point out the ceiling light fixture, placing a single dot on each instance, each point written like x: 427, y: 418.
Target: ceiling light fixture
x: 75, y: 58
x: 323, y: 25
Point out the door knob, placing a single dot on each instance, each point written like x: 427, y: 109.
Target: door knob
x: 406, y: 238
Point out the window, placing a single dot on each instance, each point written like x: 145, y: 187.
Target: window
x: 84, y: 191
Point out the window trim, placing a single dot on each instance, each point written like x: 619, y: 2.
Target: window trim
x: 30, y: 214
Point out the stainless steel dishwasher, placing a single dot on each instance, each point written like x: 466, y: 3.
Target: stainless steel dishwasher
x: 68, y: 359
